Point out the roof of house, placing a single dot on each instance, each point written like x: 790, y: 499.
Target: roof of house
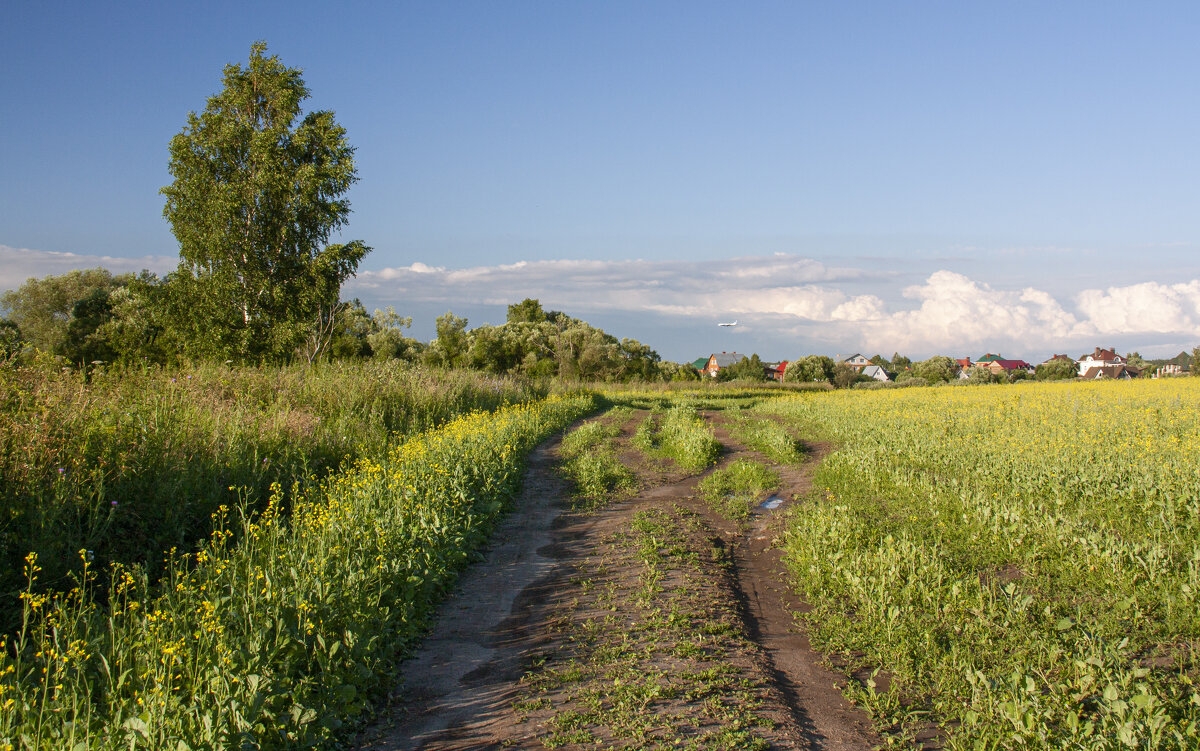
x: 874, y: 371
x: 989, y: 357
x: 1061, y: 357
x: 725, y: 359
x: 1013, y: 364
x: 964, y: 362
x: 700, y: 364
x: 1106, y: 355
x: 1109, y: 371
x: 844, y: 358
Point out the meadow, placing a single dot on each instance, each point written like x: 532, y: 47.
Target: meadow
x: 992, y: 567
x: 1016, y: 566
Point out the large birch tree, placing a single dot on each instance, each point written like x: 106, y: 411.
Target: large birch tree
x: 258, y: 191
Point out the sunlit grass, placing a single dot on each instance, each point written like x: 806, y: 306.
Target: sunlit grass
x: 732, y: 491
x: 134, y: 462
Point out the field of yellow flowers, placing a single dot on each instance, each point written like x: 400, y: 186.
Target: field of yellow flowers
x: 1009, y: 566
x: 281, y: 629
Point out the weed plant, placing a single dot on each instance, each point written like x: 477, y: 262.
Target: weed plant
x: 279, y: 632
x: 1023, y: 563
x: 132, y: 463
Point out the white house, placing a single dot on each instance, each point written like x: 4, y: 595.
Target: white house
x: 856, y: 361
x: 1101, y: 358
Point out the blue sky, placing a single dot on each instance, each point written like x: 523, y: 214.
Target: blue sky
x: 921, y: 177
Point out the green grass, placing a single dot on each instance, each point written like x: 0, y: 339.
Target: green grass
x: 680, y: 435
x: 1023, y: 564
x: 279, y: 632
x: 732, y: 491
x: 590, y: 462
x: 769, y: 437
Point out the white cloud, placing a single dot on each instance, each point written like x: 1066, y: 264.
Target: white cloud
x: 957, y: 312
x: 803, y: 298
x: 18, y: 265
x: 770, y: 284
x: 1144, y: 308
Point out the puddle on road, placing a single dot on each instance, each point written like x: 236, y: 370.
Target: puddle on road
x: 771, y: 503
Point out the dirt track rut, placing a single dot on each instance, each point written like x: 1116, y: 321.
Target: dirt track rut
x: 521, y: 611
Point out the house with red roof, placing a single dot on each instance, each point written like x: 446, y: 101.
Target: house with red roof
x: 1001, y: 366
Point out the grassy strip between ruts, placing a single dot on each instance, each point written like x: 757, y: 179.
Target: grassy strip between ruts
x: 768, y: 437
x: 648, y: 660
x: 283, y: 639
x: 679, y: 434
x: 731, y: 491
x: 591, y: 463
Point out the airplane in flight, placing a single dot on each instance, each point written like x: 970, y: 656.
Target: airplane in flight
x: 728, y: 324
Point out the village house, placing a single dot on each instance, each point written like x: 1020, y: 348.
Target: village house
x: 876, y: 372
x: 1005, y: 367
x: 1001, y: 366
x: 1116, y: 372
x: 717, y: 361
x: 775, y: 370
x: 1100, y: 358
x: 856, y: 361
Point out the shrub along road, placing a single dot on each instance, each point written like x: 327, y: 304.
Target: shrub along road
x: 634, y: 618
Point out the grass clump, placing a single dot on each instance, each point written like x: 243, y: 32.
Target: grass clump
x: 768, y: 437
x: 591, y: 463
x: 733, y: 490
x: 680, y: 435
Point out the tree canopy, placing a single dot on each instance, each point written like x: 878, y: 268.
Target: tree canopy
x: 258, y: 191
x: 810, y: 369
x: 937, y: 368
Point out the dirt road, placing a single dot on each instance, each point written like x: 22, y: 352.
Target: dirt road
x: 652, y: 622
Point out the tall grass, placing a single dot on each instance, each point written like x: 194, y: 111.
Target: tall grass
x: 280, y: 631
x: 133, y: 463
x: 768, y: 437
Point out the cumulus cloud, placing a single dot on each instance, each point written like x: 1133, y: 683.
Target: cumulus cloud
x: 17, y: 265
x: 956, y: 311
x: 1148, y: 307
